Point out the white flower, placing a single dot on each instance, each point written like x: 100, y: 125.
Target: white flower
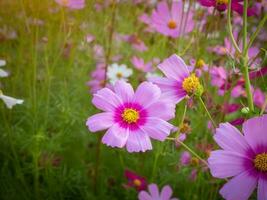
x: 152, y: 75
x: 3, y: 73
x: 118, y: 72
x: 10, y: 101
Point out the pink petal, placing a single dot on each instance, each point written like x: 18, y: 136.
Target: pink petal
x: 116, y: 136
x: 174, y: 67
x: 239, y: 187
x: 177, y: 10
x: 147, y: 93
x: 156, y: 109
x: 143, y: 195
x: 138, y: 141
x: 157, y: 129
x: 100, y: 121
x: 166, y: 193
x: 255, y: 131
x: 225, y: 164
x: 229, y: 138
x: 124, y: 90
x: 262, y: 189
x: 106, y: 100
x: 154, y: 191
x: 163, y: 10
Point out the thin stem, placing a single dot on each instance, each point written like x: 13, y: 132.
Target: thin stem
x: 245, y: 58
x: 264, y: 106
x: 208, y: 113
x: 190, y: 150
x: 230, y: 29
x: 253, y: 37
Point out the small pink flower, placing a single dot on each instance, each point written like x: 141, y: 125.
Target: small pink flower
x: 72, y: 4
x: 243, y: 157
x: 170, y: 21
x: 135, y: 181
x: 154, y: 193
x: 140, y: 64
x: 185, y: 159
x: 132, y: 118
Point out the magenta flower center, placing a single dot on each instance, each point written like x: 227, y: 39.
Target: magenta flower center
x: 260, y: 162
x: 222, y: 1
x: 130, y: 115
x: 172, y: 24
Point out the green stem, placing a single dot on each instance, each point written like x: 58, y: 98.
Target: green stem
x: 208, y: 113
x: 254, y: 35
x: 230, y: 29
x: 190, y: 150
x: 264, y: 106
x: 245, y: 58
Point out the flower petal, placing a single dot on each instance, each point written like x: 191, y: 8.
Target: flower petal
x: 154, y: 191
x: 138, y: 141
x: 106, y: 100
x: 116, y: 136
x: 166, y: 193
x: 100, y: 121
x: 124, y: 90
x: 147, y: 93
x: 157, y: 129
x: 239, y: 187
x: 262, y: 189
x: 229, y: 138
x: 255, y: 131
x: 174, y: 67
x: 225, y: 164
x: 156, y: 109
x: 143, y: 195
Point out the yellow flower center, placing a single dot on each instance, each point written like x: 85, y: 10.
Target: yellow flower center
x: 191, y: 84
x: 222, y: 1
x: 137, y: 182
x: 200, y: 64
x: 260, y: 162
x: 172, y: 24
x: 130, y: 115
x: 119, y: 75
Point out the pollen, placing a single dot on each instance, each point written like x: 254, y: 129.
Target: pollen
x: 222, y: 1
x: 260, y: 162
x: 172, y: 24
x: 200, y: 64
x: 119, y: 75
x: 137, y: 182
x: 130, y: 115
x: 191, y: 84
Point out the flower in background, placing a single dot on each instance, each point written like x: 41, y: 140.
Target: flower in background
x: 185, y: 158
x: 140, y: 64
x: 135, y: 181
x: 198, y: 66
x: 72, y: 4
x: 10, y: 101
x: 98, y: 76
x: 136, y: 42
x: 154, y: 193
x: 222, y: 5
x: 243, y: 157
x: 178, y: 82
x: 170, y: 22
x: 118, y: 72
x: 132, y: 117
x: 3, y: 73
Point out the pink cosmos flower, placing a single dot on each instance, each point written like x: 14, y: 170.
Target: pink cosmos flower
x: 154, y: 193
x: 243, y: 157
x: 72, y: 4
x: 131, y: 117
x: 135, y: 181
x: 185, y: 158
x: 140, y: 64
x: 172, y: 22
x: 136, y: 42
x: 221, y: 5
x: 178, y: 81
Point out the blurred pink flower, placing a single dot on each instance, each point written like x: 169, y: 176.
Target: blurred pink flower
x: 154, y: 193
x: 170, y: 22
x: 140, y: 64
x: 185, y: 158
x: 72, y: 4
x: 135, y: 181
